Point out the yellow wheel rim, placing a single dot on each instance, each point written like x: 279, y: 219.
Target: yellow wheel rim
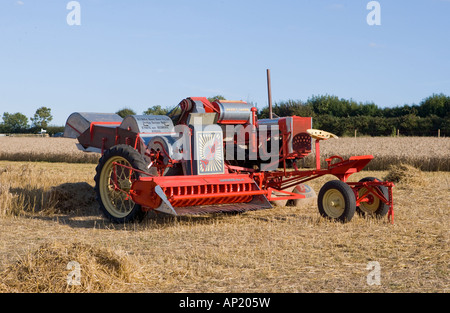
x: 372, y: 205
x: 333, y: 203
x: 116, y: 201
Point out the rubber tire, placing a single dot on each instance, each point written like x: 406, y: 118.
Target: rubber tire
x: 348, y: 196
x: 383, y: 208
x: 136, y: 161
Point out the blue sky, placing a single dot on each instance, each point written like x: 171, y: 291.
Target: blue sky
x: 140, y: 53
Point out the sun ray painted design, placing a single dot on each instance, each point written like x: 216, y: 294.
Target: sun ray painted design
x: 210, y: 153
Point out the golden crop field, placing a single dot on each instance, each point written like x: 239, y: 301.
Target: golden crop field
x: 44, y: 149
x: 49, y: 220
x: 426, y: 153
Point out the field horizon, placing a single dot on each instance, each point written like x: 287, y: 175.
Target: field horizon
x: 425, y: 153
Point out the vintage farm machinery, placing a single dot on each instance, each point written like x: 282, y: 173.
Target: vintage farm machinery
x: 208, y: 157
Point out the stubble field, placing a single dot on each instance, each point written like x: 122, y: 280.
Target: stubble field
x: 49, y: 218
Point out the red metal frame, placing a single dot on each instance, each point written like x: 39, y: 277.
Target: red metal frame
x: 91, y: 127
x: 372, y: 190
x: 194, y: 190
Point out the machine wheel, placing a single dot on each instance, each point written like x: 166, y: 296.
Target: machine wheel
x: 375, y: 207
x: 114, y: 203
x: 337, y: 201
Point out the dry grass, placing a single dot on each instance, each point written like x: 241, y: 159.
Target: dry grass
x: 280, y: 250
x: 405, y: 174
x: 52, y: 268
x: 50, y: 187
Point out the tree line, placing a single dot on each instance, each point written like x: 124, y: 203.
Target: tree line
x: 342, y: 117
x: 15, y: 123
x: 339, y: 116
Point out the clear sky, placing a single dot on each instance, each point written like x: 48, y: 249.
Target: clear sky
x: 141, y: 53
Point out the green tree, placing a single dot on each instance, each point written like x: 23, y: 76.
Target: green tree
x: 218, y: 97
x: 409, y: 124
x: 14, y: 123
x: 368, y: 109
x: 42, y: 117
x: 330, y: 105
x: 288, y: 108
x: 125, y: 112
x: 322, y: 104
x: 156, y: 110
x: 437, y: 104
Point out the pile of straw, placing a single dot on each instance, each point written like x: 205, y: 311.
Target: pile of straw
x: 74, y: 267
x: 405, y: 174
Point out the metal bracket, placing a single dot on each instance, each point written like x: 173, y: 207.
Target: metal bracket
x: 165, y: 206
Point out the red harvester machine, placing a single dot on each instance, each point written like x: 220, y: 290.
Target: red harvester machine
x: 208, y: 157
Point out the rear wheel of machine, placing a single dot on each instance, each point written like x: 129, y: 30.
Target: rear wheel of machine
x: 116, y: 204
x: 336, y: 201
x: 374, y: 207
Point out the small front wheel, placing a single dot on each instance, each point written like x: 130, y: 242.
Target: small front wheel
x: 336, y: 201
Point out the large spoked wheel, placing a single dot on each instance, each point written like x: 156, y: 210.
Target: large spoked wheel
x: 374, y: 206
x: 336, y: 201
x: 113, y: 183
